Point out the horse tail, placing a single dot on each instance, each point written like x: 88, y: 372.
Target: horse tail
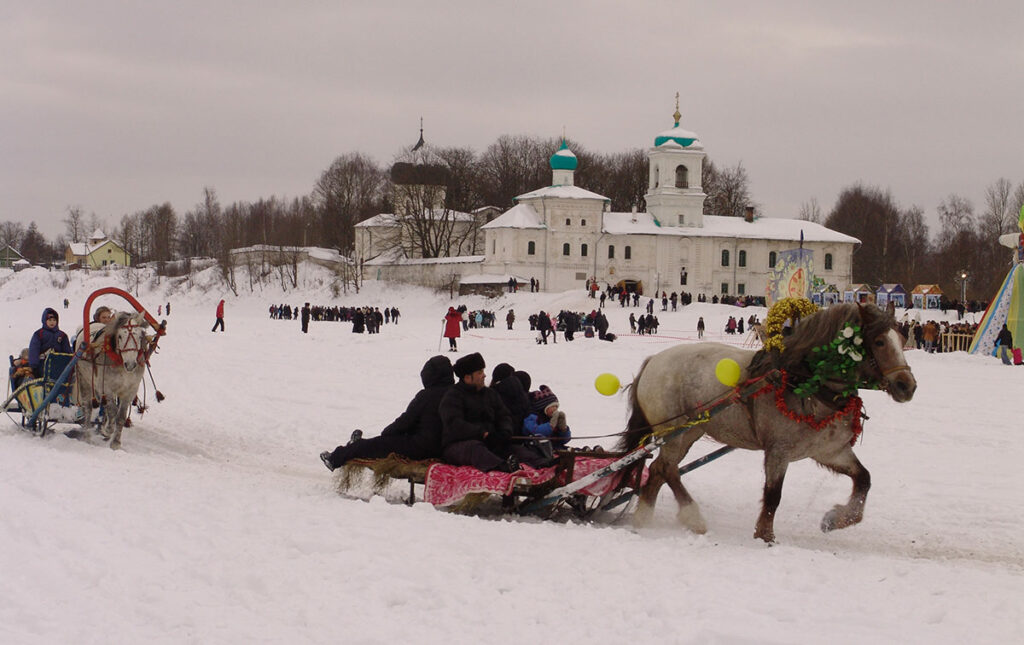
x: 638, y: 425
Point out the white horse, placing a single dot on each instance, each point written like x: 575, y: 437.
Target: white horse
x: 111, y: 369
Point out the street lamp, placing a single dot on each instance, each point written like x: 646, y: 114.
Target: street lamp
x: 963, y: 286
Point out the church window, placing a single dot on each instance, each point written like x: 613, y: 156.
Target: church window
x: 655, y: 176
x: 583, y: 250
x: 583, y: 222
x: 741, y: 289
x: 742, y: 258
x: 565, y: 249
x: 828, y: 261
x: 682, y: 181
x: 725, y: 257
x: 628, y: 253
x: 682, y: 219
x: 531, y: 248
x: 568, y: 222
x: 772, y: 258
x: 611, y: 252
x: 494, y: 246
x: 682, y: 276
x: 725, y: 288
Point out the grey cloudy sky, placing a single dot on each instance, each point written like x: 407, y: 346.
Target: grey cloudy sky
x: 115, y: 106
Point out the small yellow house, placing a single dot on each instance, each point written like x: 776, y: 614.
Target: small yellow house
x: 97, y: 253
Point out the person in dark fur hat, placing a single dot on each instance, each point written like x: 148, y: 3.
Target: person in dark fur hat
x: 512, y: 393
x: 546, y: 420
x: 525, y: 379
x: 416, y: 434
x: 477, y: 425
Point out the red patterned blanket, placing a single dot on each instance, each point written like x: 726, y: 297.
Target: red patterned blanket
x: 446, y: 485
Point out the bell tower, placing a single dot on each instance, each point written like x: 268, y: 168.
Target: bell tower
x: 674, y: 193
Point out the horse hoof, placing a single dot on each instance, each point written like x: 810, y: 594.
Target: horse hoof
x: 690, y: 517
x: 769, y: 538
x: 643, y: 516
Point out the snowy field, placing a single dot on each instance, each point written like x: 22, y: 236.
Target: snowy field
x: 217, y: 523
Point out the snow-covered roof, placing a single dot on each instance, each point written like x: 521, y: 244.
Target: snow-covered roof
x: 762, y: 228
x: 82, y: 249
x: 385, y: 259
x: 392, y: 220
x: 98, y: 234
x: 562, y: 192
x: 891, y: 287
x: 519, y: 216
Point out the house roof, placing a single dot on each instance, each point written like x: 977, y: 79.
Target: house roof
x: 930, y: 289
x: 525, y: 216
x: 762, y: 228
x: 82, y: 249
x: 562, y: 192
x: 519, y: 216
x: 890, y: 287
x: 392, y: 220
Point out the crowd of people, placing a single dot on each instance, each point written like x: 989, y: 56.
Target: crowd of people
x: 457, y: 418
x: 363, y: 319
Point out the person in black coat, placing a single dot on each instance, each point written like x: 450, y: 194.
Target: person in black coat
x: 305, y: 318
x: 416, y: 434
x: 512, y: 393
x: 477, y: 425
x: 1004, y: 344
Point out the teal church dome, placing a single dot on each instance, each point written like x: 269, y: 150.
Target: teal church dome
x: 685, y: 138
x: 563, y: 159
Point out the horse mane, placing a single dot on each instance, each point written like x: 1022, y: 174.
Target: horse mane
x: 818, y: 329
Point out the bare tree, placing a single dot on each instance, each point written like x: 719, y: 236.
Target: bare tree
x: 426, y: 226
x: 11, y: 233
x: 348, y: 192
x: 514, y: 165
x: 810, y: 211
x: 871, y: 215
x: 74, y: 224
x: 998, y: 218
x: 728, y: 190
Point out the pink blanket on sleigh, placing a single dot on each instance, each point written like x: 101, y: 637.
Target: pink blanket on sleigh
x: 446, y: 485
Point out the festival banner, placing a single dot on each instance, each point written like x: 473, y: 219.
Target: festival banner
x: 793, y: 275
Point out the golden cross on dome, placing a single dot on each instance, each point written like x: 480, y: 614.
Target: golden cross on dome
x: 677, y: 115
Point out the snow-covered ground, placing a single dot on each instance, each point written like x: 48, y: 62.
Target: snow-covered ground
x: 217, y: 523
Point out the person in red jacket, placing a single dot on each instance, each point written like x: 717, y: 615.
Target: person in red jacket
x: 220, y: 317
x: 452, y: 329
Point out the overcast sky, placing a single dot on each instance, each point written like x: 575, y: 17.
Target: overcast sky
x: 115, y: 106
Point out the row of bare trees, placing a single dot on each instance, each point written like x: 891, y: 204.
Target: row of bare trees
x: 896, y: 245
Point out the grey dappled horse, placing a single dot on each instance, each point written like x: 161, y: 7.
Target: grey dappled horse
x: 675, y: 381
x: 111, y: 370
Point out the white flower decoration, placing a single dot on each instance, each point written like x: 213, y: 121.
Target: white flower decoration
x: 858, y: 340
x: 848, y: 332
x: 856, y: 357
x: 842, y: 349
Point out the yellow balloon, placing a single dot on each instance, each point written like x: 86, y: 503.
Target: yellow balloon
x: 728, y: 372
x: 607, y: 384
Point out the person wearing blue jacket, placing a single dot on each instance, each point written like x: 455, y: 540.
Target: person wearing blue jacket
x: 48, y: 337
x: 546, y: 420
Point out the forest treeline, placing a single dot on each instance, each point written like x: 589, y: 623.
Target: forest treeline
x: 897, y: 245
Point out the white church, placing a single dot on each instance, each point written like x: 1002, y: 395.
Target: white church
x: 562, y: 235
